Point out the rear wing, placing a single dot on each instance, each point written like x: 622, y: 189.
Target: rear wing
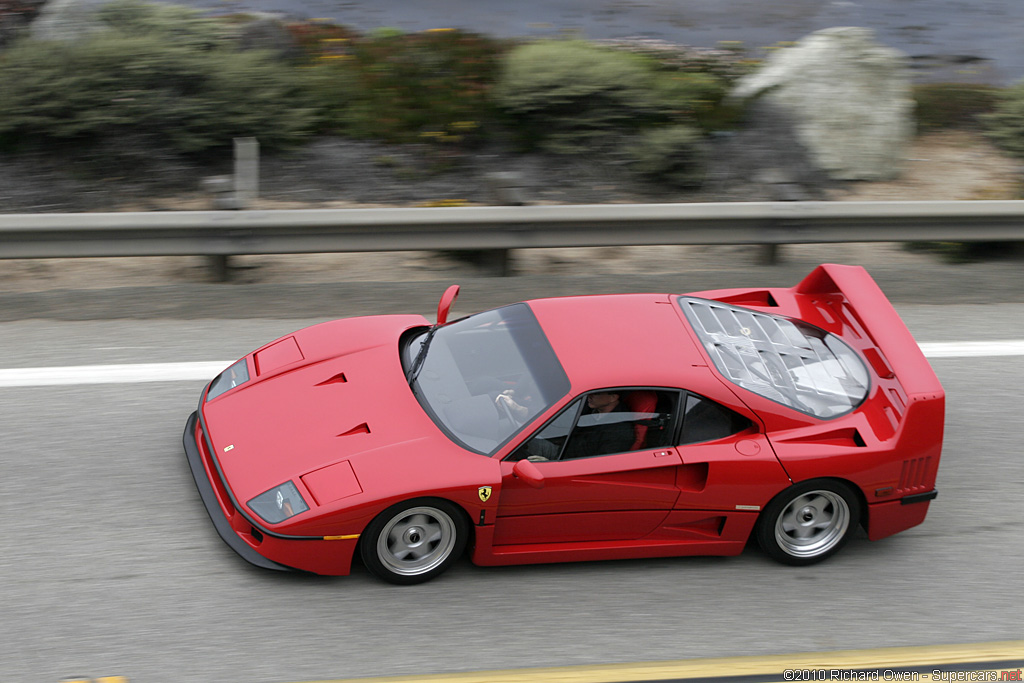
x: 851, y: 294
x: 844, y: 301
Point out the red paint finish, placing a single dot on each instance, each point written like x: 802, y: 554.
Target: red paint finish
x: 612, y: 497
x: 329, y: 410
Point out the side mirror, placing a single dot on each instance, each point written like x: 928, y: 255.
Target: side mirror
x: 445, y: 305
x: 528, y: 472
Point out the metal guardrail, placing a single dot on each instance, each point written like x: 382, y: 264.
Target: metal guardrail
x: 224, y: 233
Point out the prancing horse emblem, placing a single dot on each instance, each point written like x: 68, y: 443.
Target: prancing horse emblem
x: 484, y: 492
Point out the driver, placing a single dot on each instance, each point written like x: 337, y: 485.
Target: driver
x: 606, y: 432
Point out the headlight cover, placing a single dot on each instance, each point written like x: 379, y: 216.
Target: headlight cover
x: 229, y: 379
x: 279, y: 503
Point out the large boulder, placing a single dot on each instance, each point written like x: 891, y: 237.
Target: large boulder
x: 849, y: 97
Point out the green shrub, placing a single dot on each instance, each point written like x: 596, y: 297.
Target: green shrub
x: 698, y: 98
x: 570, y: 96
x: 176, y: 24
x: 149, y: 77
x: 427, y: 87
x: 952, y: 105
x: 693, y: 83
x: 1005, y: 126
x: 320, y: 41
x: 671, y: 154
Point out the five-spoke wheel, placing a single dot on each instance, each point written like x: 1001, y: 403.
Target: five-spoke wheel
x: 414, y: 541
x: 808, y: 522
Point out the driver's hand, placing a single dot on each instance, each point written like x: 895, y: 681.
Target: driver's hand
x: 505, y: 399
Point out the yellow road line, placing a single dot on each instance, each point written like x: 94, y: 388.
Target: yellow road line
x: 930, y: 656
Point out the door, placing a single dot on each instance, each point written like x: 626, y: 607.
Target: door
x: 589, y: 493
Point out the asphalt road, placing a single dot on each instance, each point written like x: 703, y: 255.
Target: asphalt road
x: 110, y: 565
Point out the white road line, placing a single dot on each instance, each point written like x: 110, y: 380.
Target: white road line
x: 207, y: 370
x: 1003, y: 347
x: 111, y: 374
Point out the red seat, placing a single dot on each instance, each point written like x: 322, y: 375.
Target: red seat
x: 642, y: 401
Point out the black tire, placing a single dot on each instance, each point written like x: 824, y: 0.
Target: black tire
x: 808, y: 522
x: 414, y: 541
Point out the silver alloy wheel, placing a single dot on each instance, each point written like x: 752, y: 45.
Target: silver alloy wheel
x: 812, y: 523
x: 416, y: 541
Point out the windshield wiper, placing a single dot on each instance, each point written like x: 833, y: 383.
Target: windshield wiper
x: 421, y: 355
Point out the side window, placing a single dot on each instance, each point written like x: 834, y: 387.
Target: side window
x: 605, y: 422
x: 705, y: 420
x: 547, y: 443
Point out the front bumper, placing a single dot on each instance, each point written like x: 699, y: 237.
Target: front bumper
x: 330, y: 556
x: 220, y: 522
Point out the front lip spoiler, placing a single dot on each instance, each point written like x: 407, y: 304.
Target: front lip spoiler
x: 919, y: 497
x: 220, y: 522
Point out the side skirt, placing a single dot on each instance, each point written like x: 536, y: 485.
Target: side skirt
x: 669, y: 540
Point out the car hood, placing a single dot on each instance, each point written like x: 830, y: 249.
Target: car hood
x: 333, y: 392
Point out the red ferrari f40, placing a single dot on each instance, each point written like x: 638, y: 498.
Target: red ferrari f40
x: 575, y: 428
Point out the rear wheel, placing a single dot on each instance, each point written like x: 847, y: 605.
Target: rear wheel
x: 414, y: 541
x: 808, y: 522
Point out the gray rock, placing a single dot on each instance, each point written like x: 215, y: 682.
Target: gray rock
x: 764, y: 160
x: 849, y: 97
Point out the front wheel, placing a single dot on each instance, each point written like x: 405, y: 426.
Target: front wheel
x: 808, y: 522
x: 414, y: 541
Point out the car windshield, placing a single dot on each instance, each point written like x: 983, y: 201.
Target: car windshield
x: 485, y: 376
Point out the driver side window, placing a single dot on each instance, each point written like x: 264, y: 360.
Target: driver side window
x: 604, y: 422
x: 547, y: 443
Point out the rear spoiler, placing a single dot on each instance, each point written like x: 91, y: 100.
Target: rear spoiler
x: 866, y: 302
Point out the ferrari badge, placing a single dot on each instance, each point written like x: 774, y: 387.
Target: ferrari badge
x: 485, y: 493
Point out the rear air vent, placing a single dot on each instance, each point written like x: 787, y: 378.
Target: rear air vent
x: 848, y: 437
x: 879, y: 363
x: 914, y: 474
x: 758, y: 298
x: 897, y: 402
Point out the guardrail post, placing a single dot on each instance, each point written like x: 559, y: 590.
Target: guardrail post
x: 507, y: 188
x: 783, y: 189
x: 234, y: 194
x: 247, y: 172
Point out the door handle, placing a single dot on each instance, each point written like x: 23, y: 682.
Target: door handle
x: 662, y: 454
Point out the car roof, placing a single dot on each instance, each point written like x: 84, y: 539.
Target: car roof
x: 622, y: 340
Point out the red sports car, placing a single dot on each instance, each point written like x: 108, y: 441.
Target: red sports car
x: 577, y: 428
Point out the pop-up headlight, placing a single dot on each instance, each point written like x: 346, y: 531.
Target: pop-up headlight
x: 279, y: 503
x: 230, y: 378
